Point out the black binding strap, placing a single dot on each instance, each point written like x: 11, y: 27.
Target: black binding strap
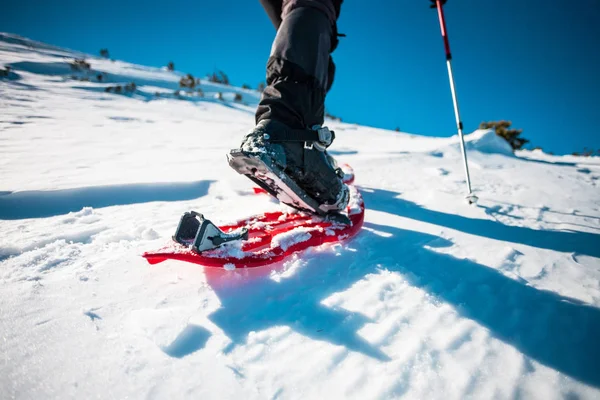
x: 301, y: 135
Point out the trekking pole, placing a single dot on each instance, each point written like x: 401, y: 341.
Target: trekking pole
x: 439, y: 5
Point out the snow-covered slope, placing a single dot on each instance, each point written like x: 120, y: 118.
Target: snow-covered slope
x: 433, y: 299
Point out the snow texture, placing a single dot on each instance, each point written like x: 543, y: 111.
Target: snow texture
x: 434, y: 299
x: 287, y: 239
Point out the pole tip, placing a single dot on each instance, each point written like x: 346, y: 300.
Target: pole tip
x: 471, y: 198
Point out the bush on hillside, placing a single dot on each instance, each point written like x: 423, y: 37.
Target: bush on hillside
x: 171, y: 66
x: 104, y: 53
x: 120, y: 89
x: 586, y: 153
x: 333, y: 117
x: 512, y: 136
x: 261, y: 87
x: 79, y: 64
x: 187, y: 81
x: 219, y: 77
x: 237, y: 97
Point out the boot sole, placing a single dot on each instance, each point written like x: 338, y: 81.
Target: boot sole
x: 263, y: 171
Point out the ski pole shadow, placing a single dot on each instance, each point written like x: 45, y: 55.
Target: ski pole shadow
x: 554, y: 330
x: 41, y: 204
x: 566, y: 241
x: 495, y: 211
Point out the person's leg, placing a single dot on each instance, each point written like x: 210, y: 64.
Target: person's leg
x: 299, y: 73
x: 273, y: 9
x: 299, y: 70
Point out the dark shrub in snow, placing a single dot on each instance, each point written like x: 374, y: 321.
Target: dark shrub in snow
x: 187, y: 81
x: 328, y: 115
x: 119, y: 89
x: 587, y: 153
x: 79, y: 64
x: 219, y: 77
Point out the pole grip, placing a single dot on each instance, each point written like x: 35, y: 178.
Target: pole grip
x: 443, y: 28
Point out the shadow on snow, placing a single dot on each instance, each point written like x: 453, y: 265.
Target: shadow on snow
x: 41, y: 204
x: 566, y: 241
x: 557, y: 331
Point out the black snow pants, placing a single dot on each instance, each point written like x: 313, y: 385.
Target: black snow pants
x: 300, y: 70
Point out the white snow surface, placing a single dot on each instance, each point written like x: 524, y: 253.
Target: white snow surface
x: 434, y: 299
x: 287, y: 239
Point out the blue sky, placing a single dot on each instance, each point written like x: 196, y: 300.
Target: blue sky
x: 534, y: 62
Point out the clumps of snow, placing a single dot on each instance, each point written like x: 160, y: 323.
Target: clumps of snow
x: 84, y: 212
x: 227, y: 250
x: 113, y: 236
x: 40, y: 260
x: 286, y: 240
x: 229, y: 267
x: 149, y: 234
x: 255, y: 239
x: 86, y: 215
x: 355, y: 203
x: 254, y: 144
x: 486, y: 141
x: 256, y: 225
x: 6, y: 252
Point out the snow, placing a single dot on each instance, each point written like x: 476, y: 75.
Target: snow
x: 287, y: 239
x: 229, y: 267
x: 434, y: 298
x: 486, y: 141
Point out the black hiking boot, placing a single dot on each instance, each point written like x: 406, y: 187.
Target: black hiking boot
x: 293, y: 165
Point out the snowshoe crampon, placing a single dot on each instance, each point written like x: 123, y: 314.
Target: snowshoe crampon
x: 261, y: 239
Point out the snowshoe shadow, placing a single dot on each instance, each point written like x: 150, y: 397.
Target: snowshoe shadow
x: 252, y: 301
x: 554, y: 330
x: 41, y: 204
